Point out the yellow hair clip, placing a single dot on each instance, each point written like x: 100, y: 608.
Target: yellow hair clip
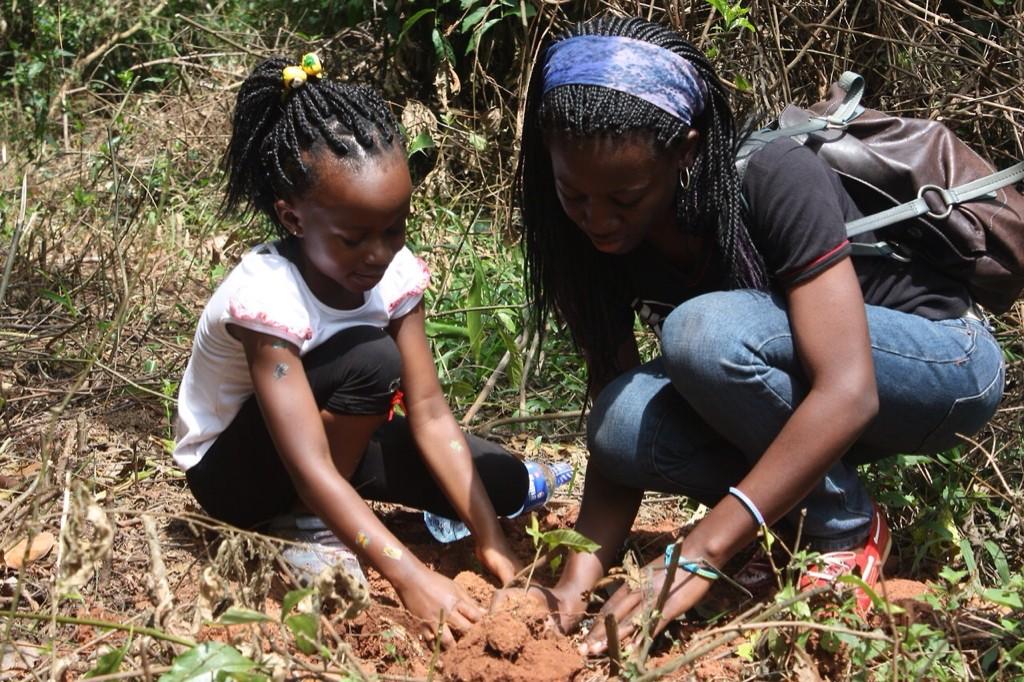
x: 311, y: 65
x: 294, y: 77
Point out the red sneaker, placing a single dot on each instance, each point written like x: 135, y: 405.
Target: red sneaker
x: 865, y: 561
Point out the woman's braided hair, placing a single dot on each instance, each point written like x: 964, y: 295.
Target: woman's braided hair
x: 564, y: 272
x: 274, y: 127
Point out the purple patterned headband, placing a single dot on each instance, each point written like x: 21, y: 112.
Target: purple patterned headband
x: 654, y: 74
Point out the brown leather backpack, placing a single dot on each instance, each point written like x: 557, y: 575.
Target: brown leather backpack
x: 926, y: 192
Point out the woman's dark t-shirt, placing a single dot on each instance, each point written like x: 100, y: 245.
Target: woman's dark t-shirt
x: 797, y: 211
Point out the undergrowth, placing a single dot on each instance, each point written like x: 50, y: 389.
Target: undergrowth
x: 112, y: 122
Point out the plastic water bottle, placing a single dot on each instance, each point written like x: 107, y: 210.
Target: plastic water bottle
x: 444, y: 529
x: 543, y: 479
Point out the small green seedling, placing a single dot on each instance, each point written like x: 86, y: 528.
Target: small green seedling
x: 552, y: 540
x: 214, y: 660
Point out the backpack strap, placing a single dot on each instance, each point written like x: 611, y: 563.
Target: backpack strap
x: 883, y: 249
x: 852, y: 83
x: 849, y: 108
x: 982, y: 187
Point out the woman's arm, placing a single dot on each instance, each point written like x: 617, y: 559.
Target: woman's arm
x: 444, y: 447
x: 830, y: 331
x: 606, y: 515
x: 296, y: 426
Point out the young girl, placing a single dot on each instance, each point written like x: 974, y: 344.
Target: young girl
x: 785, y: 363
x: 307, y: 346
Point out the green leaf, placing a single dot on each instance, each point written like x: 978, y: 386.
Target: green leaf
x: 565, y: 537
x: 1016, y: 653
x: 745, y: 651
x: 1003, y: 597
x: 802, y: 610
x: 534, y: 531
x: 461, y: 389
x: 742, y: 84
x: 531, y: 11
x: 851, y: 579
x: 303, y: 628
x: 999, y: 559
x: 474, y: 318
x: 506, y: 320
x: 474, y: 17
x: 208, y: 657
x: 235, y: 616
x: 441, y: 329
x: 109, y: 662
x: 292, y: 598
x: 420, y: 142
x: 478, y: 34
x: 951, y: 575
x: 478, y: 141
x: 411, y: 21
x: 442, y: 48
x: 515, y: 358
x: 968, y: 554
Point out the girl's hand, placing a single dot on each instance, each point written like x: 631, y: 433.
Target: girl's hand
x: 431, y: 595
x: 629, y: 605
x: 498, y: 558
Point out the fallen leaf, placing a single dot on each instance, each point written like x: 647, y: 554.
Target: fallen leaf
x: 41, y: 546
x: 30, y: 469
x: 18, y: 480
x: 17, y: 656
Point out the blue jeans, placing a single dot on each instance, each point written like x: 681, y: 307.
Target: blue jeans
x: 695, y: 420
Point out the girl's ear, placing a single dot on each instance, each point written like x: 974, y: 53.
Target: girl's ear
x: 688, y: 148
x: 286, y: 214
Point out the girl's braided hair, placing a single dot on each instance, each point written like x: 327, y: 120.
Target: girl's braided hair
x: 564, y: 272
x: 274, y: 126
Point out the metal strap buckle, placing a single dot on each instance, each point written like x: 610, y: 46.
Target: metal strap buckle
x: 947, y: 199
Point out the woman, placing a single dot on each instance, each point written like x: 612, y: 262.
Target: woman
x: 784, y: 362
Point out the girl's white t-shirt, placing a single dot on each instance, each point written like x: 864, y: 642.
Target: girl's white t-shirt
x: 266, y: 293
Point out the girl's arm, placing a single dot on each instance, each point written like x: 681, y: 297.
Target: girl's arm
x: 830, y: 331
x: 444, y: 447
x: 297, y: 428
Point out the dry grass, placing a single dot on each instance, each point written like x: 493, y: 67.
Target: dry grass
x: 115, y: 242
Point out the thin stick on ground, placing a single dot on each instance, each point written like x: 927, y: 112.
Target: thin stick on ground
x: 611, y: 628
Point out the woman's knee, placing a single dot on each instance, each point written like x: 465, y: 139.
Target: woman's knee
x: 972, y: 410
x: 613, y: 426
x: 707, y: 335
x: 356, y: 371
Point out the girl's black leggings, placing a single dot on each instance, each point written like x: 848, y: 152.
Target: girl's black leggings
x: 241, y: 479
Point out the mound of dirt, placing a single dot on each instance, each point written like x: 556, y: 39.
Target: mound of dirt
x: 476, y: 586
x: 516, y: 643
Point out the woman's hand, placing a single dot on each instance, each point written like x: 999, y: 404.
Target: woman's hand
x: 630, y: 604
x: 431, y: 595
x: 565, y: 610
